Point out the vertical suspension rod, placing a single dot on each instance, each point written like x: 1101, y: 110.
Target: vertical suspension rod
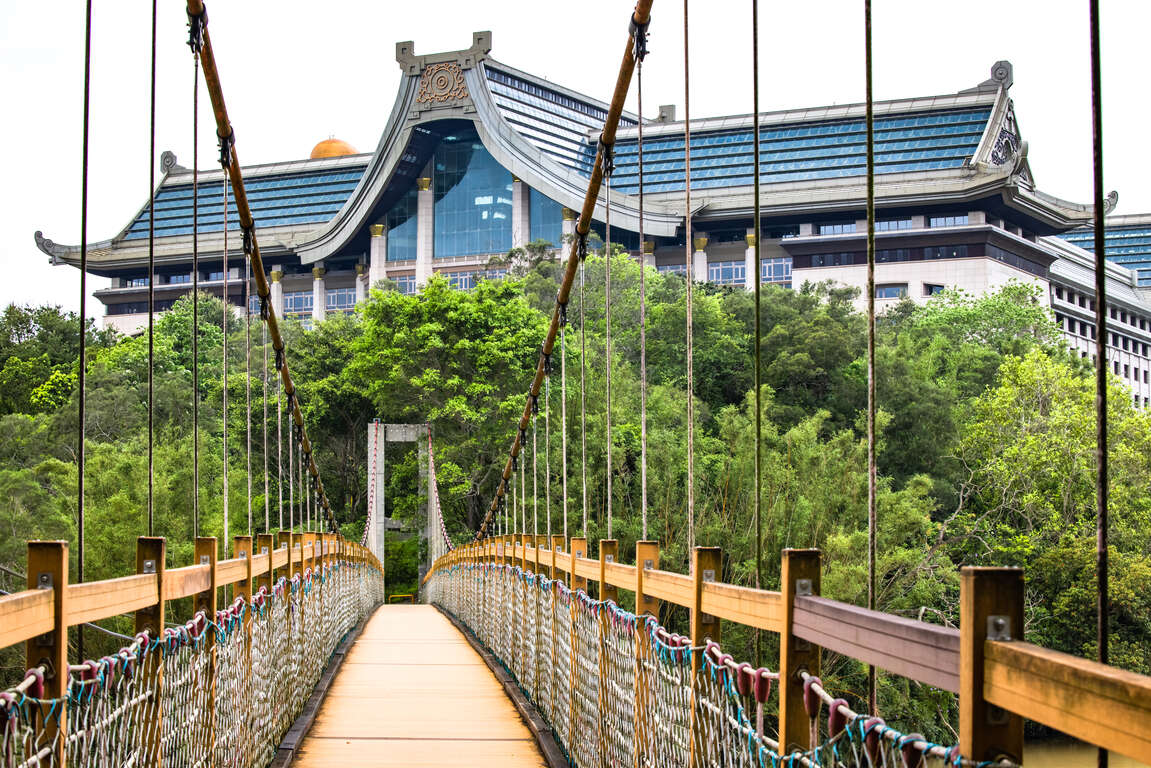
x: 872, y: 685
x: 640, y: 17
x: 247, y: 224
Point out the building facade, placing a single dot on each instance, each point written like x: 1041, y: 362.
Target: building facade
x: 478, y: 158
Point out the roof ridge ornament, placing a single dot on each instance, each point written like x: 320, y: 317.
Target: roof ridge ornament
x: 466, y: 59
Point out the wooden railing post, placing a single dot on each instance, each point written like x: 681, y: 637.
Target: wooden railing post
x: 557, y: 547
x: 242, y: 548
x: 208, y: 602
x: 608, y: 553
x: 646, y: 559
x: 48, y: 569
x: 151, y: 556
x: 578, y: 549
x: 800, y: 575
x: 990, y: 608
x: 706, y: 567
x: 264, y: 546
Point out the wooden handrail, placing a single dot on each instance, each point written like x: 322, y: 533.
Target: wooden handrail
x: 913, y: 649
x: 30, y: 613
x: 1085, y: 699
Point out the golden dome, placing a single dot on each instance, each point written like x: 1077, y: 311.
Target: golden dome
x: 332, y: 147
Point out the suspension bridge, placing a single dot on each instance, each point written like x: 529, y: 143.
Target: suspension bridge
x: 522, y: 652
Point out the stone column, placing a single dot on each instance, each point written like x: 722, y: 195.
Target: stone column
x: 699, y: 258
x: 378, y: 266
x: 749, y: 261
x: 425, y: 231
x: 521, y: 214
x: 319, y: 295
x: 277, y: 292
x: 648, y: 253
x: 361, y: 283
x: 569, y: 223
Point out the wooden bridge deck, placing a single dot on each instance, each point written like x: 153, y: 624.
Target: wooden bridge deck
x: 412, y: 692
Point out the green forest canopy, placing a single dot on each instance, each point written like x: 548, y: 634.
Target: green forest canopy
x: 985, y: 451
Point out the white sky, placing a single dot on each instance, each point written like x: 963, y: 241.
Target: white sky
x: 295, y: 73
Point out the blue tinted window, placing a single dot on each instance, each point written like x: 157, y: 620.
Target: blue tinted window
x: 837, y: 228
x: 463, y: 280
x: 776, y: 270
x: 948, y: 221
x: 727, y: 272
x: 889, y: 225
x: 891, y: 291
x: 678, y: 268
x: 174, y: 279
x: 405, y: 283
x: 402, y: 225
x: 546, y: 219
x: 473, y: 196
x: 297, y: 303
x: 341, y: 299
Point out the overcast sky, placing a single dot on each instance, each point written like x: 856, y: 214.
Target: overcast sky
x: 295, y: 73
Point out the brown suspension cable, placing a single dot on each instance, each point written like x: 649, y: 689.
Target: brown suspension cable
x: 548, y: 453
x: 82, y: 370
x: 195, y: 292
x: 690, y: 280
x: 640, y: 18
x: 1102, y: 628
x: 872, y: 684
x: 152, y: 285
x: 230, y: 161
x: 535, y: 479
x: 563, y: 418
x: 280, y: 451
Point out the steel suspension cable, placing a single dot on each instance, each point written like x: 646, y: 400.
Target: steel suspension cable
x: 607, y: 152
x: 267, y: 499
x: 229, y: 160
x: 535, y: 479
x: 152, y: 284
x: 640, y: 54
x: 564, y: 418
x: 291, y: 471
x: 689, y: 281
x: 248, y: 377
x: 195, y: 290
x: 523, y: 527
x: 280, y: 452
x: 872, y: 684
x: 548, y: 453
x: 756, y: 224
x: 583, y: 394
x: 224, y: 389
x: 81, y: 382
x: 1102, y: 628
x: 578, y: 248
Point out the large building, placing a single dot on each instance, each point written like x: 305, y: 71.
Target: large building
x: 478, y: 158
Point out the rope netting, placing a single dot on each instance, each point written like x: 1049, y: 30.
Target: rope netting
x: 619, y: 689
x: 219, y: 692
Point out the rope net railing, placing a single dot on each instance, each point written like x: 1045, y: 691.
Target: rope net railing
x: 221, y: 689
x: 620, y: 689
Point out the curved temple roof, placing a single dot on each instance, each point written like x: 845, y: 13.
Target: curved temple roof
x: 948, y: 148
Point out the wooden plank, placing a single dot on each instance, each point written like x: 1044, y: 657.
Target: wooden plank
x: 744, y: 605
x: 913, y: 649
x: 1093, y: 702
x: 95, y: 600
x: 186, y: 581
x: 620, y: 575
x: 564, y: 562
x: 260, y: 565
x: 670, y: 587
x: 797, y: 566
x: 25, y: 615
x: 231, y: 571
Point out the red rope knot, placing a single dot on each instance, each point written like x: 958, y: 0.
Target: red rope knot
x: 36, y: 690
x: 836, y: 720
x: 872, y: 731
x: 89, y: 670
x: 912, y: 755
x: 811, y: 701
x: 763, y: 678
x: 744, y: 679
